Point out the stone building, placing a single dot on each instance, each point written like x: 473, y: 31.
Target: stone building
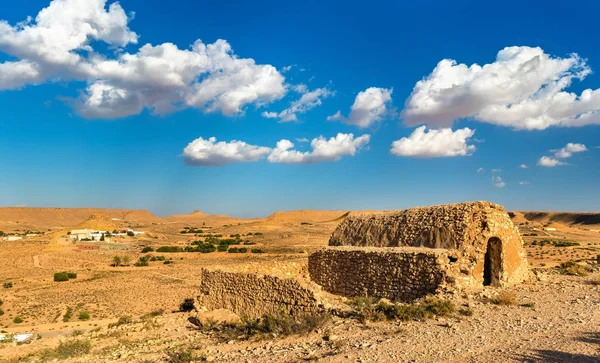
x: 463, y: 244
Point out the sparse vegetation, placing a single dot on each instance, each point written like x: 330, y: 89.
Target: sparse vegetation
x: 7, y: 285
x: 368, y: 309
x: 123, y: 320
x: 147, y: 249
x: 84, y: 315
x: 257, y: 250
x: 68, y: 349
x: 61, y: 276
x: 142, y: 261
x: 505, y: 298
x: 169, y: 249
x: 527, y: 305
x: 18, y: 320
x: 466, y: 311
x: 572, y: 268
x: 180, y: 356
x: 116, y: 261
x: 68, y: 314
x: 237, y: 250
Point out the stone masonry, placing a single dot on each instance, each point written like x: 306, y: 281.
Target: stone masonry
x: 398, y: 274
x: 254, y: 295
x: 468, y: 229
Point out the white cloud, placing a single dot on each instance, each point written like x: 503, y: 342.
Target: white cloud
x: 58, y: 46
x: 523, y: 166
x: 201, y: 152
x: 302, y: 139
x: 496, y: 170
x: 497, y: 181
x: 523, y: 183
x: 523, y: 88
x: 563, y: 153
x: 370, y: 106
x: 286, y: 69
x: 322, y: 149
x: 549, y: 162
x: 481, y: 170
x: 423, y: 143
x: 568, y: 150
x: 305, y: 103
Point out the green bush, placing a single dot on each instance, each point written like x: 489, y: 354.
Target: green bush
x: 71, y: 275
x: 142, y: 261
x: 367, y: 309
x: 61, y: 276
x: 68, y: 314
x: 116, y: 261
x: 147, y: 249
x: 84, y: 315
x: 598, y: 259
x: 17, y: 320
x: 222, y: 248
x: 168, y: 263
x: 169, y: 249
x: 7, y: 285
x: 237, y: 250
x: 1, y: 312
x: 257, y: 250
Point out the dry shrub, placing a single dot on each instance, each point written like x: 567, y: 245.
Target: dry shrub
x: 572, y: 268
x: 68, y: 349
x: 367, y: 310
x: 505, y: 298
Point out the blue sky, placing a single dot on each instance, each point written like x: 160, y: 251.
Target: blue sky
x: 80, y: 125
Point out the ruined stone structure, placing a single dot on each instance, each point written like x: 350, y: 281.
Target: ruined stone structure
x: 254, y: 295
x: 398, y: 274
x: 471, y: 244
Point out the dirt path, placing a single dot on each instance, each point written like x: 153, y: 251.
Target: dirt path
x: 36, y: 261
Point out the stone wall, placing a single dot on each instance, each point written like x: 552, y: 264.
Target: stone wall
x: 465, y: 227
x: 398, y: 274
x: 254, y: 295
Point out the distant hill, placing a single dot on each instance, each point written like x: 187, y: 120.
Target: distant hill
x: 565, y: 218
x: 34, y: 218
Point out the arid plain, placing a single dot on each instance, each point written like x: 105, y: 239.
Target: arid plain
x: 132, y: 313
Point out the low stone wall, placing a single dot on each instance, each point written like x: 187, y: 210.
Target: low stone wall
x: 254, y: 295
x: 398, y: 274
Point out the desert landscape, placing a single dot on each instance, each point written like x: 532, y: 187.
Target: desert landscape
x: 135, y: 310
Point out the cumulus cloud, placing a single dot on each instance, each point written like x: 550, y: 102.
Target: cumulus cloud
x: 423, y: 143
x: 549, y: 162
x: 370, y: 106
x: 308, y: 101
x: 563, y: 153
x: 524, y: 88
x: 59, y: 45
x: 322, y: 149
x: 568, y: 150
x: 201, y: 152
x: 498, y: 182
x: 523, y: 183
x: 209, y: 152
x: 524, y: 166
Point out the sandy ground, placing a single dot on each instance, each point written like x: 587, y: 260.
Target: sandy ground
x: 563, y: 325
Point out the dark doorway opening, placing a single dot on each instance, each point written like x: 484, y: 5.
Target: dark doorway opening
x: 492, y: 263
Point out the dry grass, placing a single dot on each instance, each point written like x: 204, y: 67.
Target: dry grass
x: 505, y: 298
x: 367, y: 309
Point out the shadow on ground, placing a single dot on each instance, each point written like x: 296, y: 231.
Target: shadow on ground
x: 542, y: 355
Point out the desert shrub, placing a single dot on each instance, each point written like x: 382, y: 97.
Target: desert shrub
x: 527, y: 305
x: 222, y: 248
x: 76, y: 333
x: 153, y: 314
x: 572, y: 268
x: 18, y: 320
x: 180, y: 356
x: 71, y: 275
x: 84, y: 315
x: 7, y: 285
x: 505, y: 298
x: 187, y: 305
x: 168, y: 262
x: 367, y: 309
x: 598, y: 259
x: 257, y: 250
x: 1, y: 302
x: 280, y: 324
x: 123, y: 320
x: 147, y: 249
x: 61, y: 276
x: 73, y: 348
x: 1, y: 312
x: 116, y: 261
x: 466, y: 311
x: 565, y: 244
x: 249, y: 243
x: 206, y: 248
x: 169, y: 249
x: 237, y: 250
x: 258, y: 234
x: 142, y: 261
x: 68, y: 314
x: 130, y: 234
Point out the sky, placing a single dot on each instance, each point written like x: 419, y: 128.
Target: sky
x: 250, y: 107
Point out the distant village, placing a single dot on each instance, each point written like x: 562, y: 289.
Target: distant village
x: 86, y: 235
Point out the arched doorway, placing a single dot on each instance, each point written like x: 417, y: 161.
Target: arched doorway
x: 492, y: 265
